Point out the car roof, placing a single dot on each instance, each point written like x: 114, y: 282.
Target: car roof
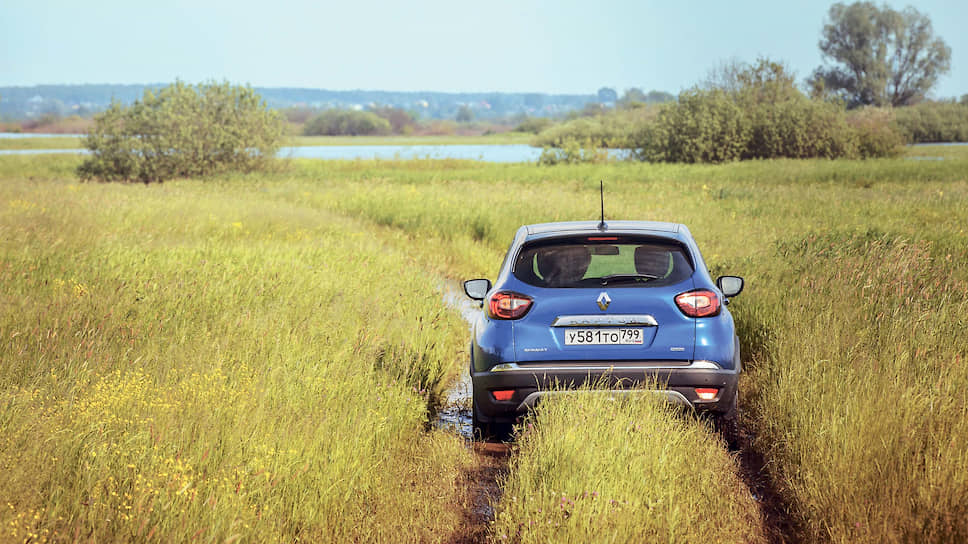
x: 542, y: 230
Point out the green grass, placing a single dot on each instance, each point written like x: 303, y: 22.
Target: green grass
x: 852, y: 327
x: 185, y: 365
x: 856, y: 383
x: 593, y: 469
x: 53, y: 142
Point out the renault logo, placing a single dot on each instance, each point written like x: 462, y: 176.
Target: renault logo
x: 604, y: 301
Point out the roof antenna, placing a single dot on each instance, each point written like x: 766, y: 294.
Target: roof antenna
x: 601, y: 188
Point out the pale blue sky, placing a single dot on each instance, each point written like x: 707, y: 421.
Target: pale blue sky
x: 563, y: 46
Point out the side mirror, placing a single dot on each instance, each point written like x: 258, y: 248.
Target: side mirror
x: 477, y: 289
x: 730, y: 285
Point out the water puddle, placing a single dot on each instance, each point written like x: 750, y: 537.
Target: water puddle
x: 455, y: 414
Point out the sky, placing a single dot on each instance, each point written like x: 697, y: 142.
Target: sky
x: 562, y: 46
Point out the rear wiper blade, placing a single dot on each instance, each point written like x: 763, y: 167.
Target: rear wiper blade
x: 619, y: 278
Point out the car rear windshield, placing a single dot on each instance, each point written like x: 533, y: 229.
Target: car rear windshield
x: 592, y: 261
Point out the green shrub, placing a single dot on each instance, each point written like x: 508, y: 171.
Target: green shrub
x: 764, y: 116
x: 401, y: 121
x: 934, y: 122
x: 534, y: 125
x: 704, y: 126
x: 573, y: 152
x: 615, y: 129
x: 876, y: 132
x: 758, y: 114
x: 799, y: 128
x: 182, y: 131
x: 346, y: 123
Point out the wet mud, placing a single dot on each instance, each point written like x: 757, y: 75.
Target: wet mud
x: 483, y: 479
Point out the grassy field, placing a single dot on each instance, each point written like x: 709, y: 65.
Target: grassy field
x: 52, y: 142
x: 181, y: 364
x: 229, y: 342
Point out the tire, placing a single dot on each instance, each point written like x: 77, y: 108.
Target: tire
x: 488, y: 431
x: 725, y: 422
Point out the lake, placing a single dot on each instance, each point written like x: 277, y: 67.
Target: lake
x: 486, y: 152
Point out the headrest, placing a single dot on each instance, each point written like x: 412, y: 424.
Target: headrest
x: 653, y: 261
x: 563, y: 265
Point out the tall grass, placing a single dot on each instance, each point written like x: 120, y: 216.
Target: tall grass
x: 594, y: 469
x: 188, y: 362
x: 867, y: 427
x: 851, y: 327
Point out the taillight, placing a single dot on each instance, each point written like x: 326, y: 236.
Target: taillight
x: 706, y: 393
x: 508, y: 305
x: 698, y: 303
x: 503, y: 395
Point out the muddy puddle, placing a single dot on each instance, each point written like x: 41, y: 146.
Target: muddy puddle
x: 483, y: 480
x: 455, y: 413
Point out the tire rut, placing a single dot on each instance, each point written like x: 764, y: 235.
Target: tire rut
x: 779, y: 523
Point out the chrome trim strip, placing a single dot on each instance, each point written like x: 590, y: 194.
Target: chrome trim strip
x: 616, y: 320
x: 514, y: 367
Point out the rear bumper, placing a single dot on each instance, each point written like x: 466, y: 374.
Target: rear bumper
x: 677, y: 382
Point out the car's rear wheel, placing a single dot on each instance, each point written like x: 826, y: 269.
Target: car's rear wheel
x: 725, y: 422
x: 488, y: 431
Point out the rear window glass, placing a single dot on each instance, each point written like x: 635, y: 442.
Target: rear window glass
x: 596, y: 261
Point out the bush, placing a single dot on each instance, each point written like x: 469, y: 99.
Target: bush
x: 615, y: 130
x: 182, y: 131
x: 876, y: 132
x: 346, y: 123
x: 758, y: 113
x: 704, y: 126
x: 534, y: 125
x: 764, y: 116
x: 799, y: 128
x: 934, y: 122
x: 573, y: 152
x: 401, y: 121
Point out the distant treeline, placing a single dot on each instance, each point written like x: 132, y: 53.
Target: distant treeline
x: 18, y: 103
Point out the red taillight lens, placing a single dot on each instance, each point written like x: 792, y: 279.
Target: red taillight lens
x: 503, y: 395
x: 706, y: 393
x: 508, y: 305
x: 698, y: 303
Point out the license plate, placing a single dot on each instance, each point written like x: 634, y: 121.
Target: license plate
x: 603, y: 337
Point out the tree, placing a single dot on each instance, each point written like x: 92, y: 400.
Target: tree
x: 183, y: 131
x: 335, y: 122
x: 659, y: 97
x: 465, y: 114
x: 631, y: 97
x: 607, y: 95
x: 881, y: 56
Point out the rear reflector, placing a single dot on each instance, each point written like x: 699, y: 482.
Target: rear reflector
x: 503, y: 394
x: 706, y: 393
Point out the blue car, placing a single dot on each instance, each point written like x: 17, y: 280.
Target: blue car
x: 617, y: 303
